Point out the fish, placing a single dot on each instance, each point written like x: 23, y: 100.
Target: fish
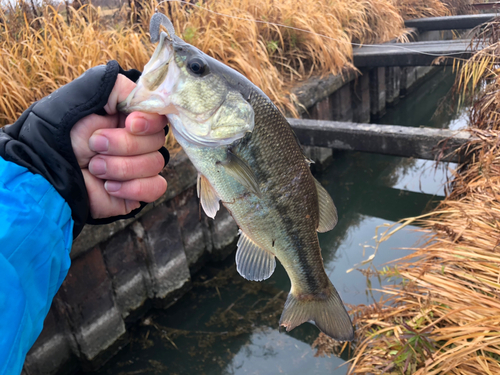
x: 248, y: 159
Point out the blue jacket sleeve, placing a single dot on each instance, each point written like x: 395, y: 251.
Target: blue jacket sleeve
x: 36, y: 233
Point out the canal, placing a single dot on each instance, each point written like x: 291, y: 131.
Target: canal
x: 227, y: 325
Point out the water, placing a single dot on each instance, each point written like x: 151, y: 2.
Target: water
x: 227, y: 325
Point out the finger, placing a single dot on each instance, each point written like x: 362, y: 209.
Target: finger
x: 123, y: 87
x: 141, y: 123
x: 121, y: 142
x: 144, y: 189
x: 102, y: 204
x: 83, y: 130
x: 122, y: 168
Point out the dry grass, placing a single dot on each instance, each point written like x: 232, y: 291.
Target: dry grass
x: 40, y: 54
x: 410, y: 9
x: 47, y: 47
x: 444, y: 316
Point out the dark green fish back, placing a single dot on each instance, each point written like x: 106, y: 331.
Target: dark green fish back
x: 281, y: 168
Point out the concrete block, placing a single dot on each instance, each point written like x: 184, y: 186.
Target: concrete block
x: 392, y: 84
x: 125, y: 258
x: 408, y: 79
x: 360, y: 98
x: 196, y: 236
x: 52, y: 352
x: 377, y: 91
x: 224, y: 235
x: 167, y: 262
x: 321, y: 157
x: 341, y: 105
x: 423, y: 71
x: 315, y: 89
x: 89, y: 306
x: 430, y: 35
x: 396, y: 140
x: 321, y: 110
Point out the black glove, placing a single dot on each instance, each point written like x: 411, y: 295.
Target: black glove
x: 40, y: 139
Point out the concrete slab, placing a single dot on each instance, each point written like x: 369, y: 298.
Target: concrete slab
x: 412, y: 54
x: 468, y: 21
x: 423, y: 143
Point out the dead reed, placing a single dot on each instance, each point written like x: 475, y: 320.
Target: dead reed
x: 45, y: 47
x: 40, y: 54
x: 410, y: 9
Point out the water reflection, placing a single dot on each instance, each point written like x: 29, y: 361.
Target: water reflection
x: 269, y: 352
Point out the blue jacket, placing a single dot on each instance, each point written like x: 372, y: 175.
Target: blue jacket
x: 36, y: 233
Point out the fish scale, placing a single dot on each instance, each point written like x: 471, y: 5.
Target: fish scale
x: 248, y: 157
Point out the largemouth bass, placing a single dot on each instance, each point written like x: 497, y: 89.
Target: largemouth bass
x: 249, y: 159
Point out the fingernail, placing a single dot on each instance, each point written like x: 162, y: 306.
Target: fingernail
x: 98, y: 143
x: 97, y: 166
x: 112, y: 186
x: 139, y: 125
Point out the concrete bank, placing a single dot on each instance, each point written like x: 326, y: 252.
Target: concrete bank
x: 120, y: 270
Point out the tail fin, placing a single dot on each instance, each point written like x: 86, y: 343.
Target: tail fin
x: 327, y: 312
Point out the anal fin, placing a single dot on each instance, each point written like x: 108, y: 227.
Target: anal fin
x: 208, y: 196
x: 253, y: 262
x: 327, y: 211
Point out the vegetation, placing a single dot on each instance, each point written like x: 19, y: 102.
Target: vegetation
x: 443, y: 316
x: 410, y: 9
x: 44, y: 47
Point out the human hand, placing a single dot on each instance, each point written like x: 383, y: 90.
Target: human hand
x: 119, y: 156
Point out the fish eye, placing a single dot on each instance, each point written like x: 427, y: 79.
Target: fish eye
x: 197, y: 66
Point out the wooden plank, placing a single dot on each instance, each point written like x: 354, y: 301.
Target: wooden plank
x: 412, y: 54
x: 422, y: 143
x: 468, y: 21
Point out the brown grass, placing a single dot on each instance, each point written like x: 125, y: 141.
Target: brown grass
x: 36, y: 60
x: 410, y: 9
x: 40, y: 54
x: 46, y: 47
x: 444, y: 316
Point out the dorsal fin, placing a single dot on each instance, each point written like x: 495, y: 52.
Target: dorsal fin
x: 208, y: 196
x: 327, y: 212
x: 253, y: 262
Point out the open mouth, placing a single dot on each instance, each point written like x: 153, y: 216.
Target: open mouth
x: 156, y: 83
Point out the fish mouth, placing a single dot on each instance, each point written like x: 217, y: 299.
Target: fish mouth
x: 152, y: 93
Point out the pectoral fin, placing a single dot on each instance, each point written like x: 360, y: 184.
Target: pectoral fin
x: 327, y: 212
x: 241, y: 172
x: 208, y: 196
x: 253, y: 262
